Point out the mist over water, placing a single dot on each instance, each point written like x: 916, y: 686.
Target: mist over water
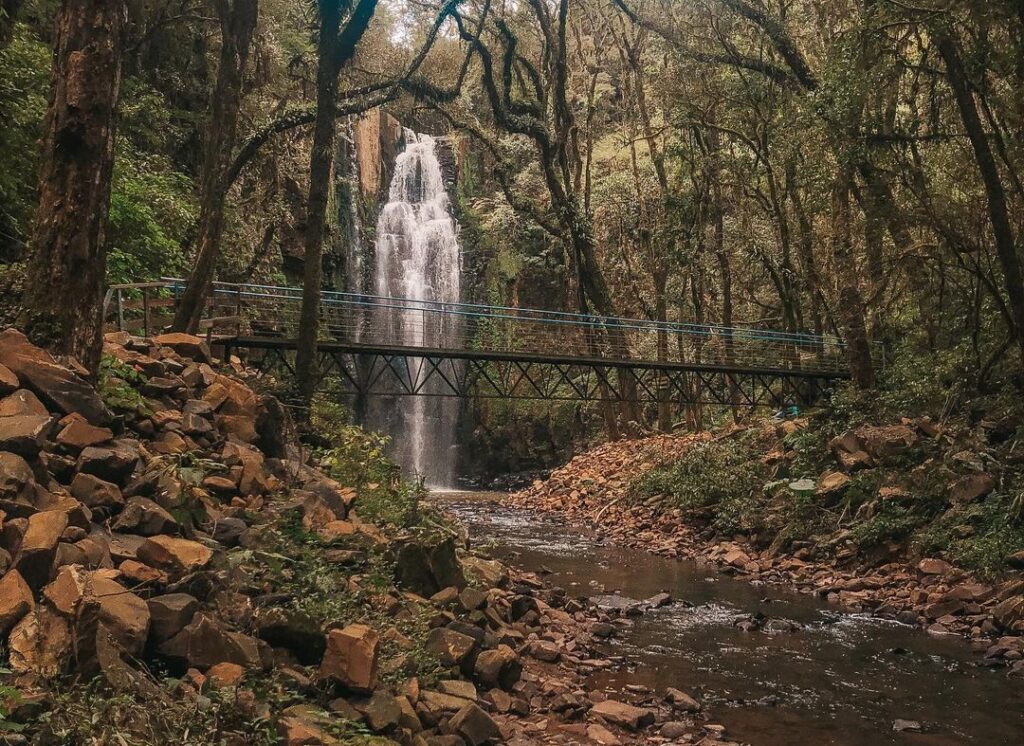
x: 418, y: 256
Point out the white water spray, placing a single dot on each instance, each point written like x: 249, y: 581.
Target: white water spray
x: 418, y: 256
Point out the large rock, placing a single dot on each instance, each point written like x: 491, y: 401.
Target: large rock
x: 450, y: 647
x: 41, y: 643
x: 123, y: 613
x: 885, y: 441
x: 971, y: 486
x: 1009, y: 611
x: 144, y: 517
x: 22, y: 403
x: 170, y: 614
x: 8, y: 381
x: 351, y: 657
x: 96, y: 493
x: 427, y: 568
x: 622, y: 714
x: 59, y: 387
x: 204, y: 643
x: 113, y: 463
x: 293, y: 630
x: 39, y: 545
x: 174, y: 555
x: 17, y: 482
x: 78, y: 434
x: 186, y: 345
x: 474, y: 725
x: 24, y: 434
x: 498, y: 668
x: 16, y: 600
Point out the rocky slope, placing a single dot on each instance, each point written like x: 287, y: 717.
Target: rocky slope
x: 177, y: 569
x: 679, y: 496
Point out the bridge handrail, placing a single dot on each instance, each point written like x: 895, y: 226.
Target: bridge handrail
x: 474, y: 310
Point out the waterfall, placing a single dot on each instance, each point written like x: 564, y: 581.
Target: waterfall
x: 417, y: 256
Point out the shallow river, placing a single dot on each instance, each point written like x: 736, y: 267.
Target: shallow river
x: 841, y: 679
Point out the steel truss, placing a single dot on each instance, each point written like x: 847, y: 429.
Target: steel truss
x: 407, y: 373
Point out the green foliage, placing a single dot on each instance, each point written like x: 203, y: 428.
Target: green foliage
x: 24, y: 84
x: 93, y: 714
x: 151, y: 214
x: 707, y: 474
x: 118, y: 387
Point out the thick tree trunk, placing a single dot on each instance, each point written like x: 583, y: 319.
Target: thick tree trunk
x: 851, y: 303
x: 336, y: 46
x: 68, y: 263
x: 238, y: 24
x: 321, y: 163
x: 1006, y: 249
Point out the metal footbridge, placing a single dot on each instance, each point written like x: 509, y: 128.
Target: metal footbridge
x: 374, y: 345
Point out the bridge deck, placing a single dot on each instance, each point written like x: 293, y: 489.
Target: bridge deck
x: 267, y: 316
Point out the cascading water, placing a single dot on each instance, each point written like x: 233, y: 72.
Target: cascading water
x: 417, y: 256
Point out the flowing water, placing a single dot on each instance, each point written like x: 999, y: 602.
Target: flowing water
x: 838, y: 679
x: 418, y: 256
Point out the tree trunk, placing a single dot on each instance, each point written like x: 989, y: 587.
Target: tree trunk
x: 661, y: 316
x: 851, y: 303
x: 335, y: 48
x: 1006, y: 249
x: 238, y: 24
x: 64, y: 301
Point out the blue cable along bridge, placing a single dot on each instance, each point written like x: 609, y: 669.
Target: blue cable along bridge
x: 384, y: 346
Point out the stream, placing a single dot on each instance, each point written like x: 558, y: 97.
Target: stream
x: 838, y: 679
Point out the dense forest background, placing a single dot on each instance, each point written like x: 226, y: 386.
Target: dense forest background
x: 848, y: 167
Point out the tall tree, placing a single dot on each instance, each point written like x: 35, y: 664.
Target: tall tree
x: 341, y: 28
x: 68, y: 263
x: 237, y: 24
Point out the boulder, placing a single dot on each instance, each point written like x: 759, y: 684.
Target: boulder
x: 144, y: 517
x: 186, y: 345
x: 204, y: 643
x: 448, y: 646
x: 474, y: 725
x: 123, y: 613
x: 39, y: 545
x: 59, y: 387
x: 78, y: 434
x: 970, y: 487
x: 113, y: 463
x: 351, y: 657
x: 95, y: 493
x: 16, y: 600
x: 8, y: 381
x: 885, y: 441
x: 24, y: 434
x: 832, y: 484
x: 17, y: 482
x: 680, y: 700
x: 170, y: 614
x: 41, y: 643
x: 382, y: 711
x: 174, y: 555
x: 932, y: 566
x: 1009, y: 611
x: 22, y: 403
x: 225, y: 675
x: 498, y: 668
x: 543, y: 650
x: 293, y: 630
x: 622, y: 714
x: 427, y: 568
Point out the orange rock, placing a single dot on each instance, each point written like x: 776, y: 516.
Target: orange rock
x: 225, y: 675
x: 351, y: 657
x: 16, y: 600
x: 174, y: 555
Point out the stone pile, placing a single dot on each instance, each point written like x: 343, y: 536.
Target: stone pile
x: 136, y: 536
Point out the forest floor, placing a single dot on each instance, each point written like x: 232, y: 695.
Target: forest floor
x: 908, y: 520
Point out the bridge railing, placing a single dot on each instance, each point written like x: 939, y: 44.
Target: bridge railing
x: 273, y: 311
